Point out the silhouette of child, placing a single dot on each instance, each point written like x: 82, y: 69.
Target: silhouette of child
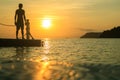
x: 28, y: 35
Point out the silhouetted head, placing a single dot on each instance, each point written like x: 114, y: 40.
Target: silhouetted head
x: 20, y: 5
x: 27, y: 20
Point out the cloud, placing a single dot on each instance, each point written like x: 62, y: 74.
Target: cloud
x: 105, y: 5
x: 86, y: 29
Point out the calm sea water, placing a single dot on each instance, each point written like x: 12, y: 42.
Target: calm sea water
x: 63, y: 59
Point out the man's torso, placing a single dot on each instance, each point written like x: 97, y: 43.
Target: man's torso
x: 20, y: 14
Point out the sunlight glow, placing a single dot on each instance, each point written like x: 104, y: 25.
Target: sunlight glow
x: 46, y: 23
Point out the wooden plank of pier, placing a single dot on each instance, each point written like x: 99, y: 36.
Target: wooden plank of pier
x: 20, y: 43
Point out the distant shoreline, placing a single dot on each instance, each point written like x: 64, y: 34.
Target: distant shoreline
x: 112, y: 33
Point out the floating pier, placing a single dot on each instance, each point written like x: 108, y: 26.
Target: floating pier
x: 20, y: 43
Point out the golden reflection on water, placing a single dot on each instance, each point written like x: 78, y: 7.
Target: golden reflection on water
x: 46, y: 46
x: 52, y: 70
x: 41, y: 71
x: 46, y: 50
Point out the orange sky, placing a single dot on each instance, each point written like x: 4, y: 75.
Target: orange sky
x: 69, y: 18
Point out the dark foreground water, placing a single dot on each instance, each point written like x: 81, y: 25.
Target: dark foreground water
x: 63, y: 59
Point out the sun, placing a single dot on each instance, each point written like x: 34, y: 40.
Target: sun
x: 46, y: 22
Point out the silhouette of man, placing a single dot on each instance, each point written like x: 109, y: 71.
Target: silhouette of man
x: 19, y: 20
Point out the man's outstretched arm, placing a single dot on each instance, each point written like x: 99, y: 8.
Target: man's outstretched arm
x: 24, y: 17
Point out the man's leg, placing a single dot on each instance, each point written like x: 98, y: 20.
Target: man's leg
x: 17, y: 30
x: 22, y: 32
x: 16, y: 34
